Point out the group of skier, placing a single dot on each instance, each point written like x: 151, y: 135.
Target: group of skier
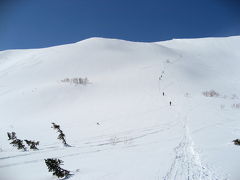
x: 170, y: 102
x: 160, y: 78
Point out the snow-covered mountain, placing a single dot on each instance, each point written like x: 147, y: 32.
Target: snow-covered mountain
x: 120, y: 125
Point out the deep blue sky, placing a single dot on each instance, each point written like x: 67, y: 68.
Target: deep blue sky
x: 43, y: 23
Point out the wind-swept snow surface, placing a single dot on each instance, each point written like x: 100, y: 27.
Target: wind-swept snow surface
x: 149, y: 111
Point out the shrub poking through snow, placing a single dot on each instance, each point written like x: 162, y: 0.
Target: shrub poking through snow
x: 236, y: 106
x: 54, y: 166
x: 11, y: 136
x: 210, y: 93
x: 76, y: 81
x: 61, y: 135
x: 32, y: 144
x: 15, y: 141
x: 19, y: 144
x: 236, y: 142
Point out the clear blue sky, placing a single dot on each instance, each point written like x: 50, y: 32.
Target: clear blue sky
x: 43, y: 23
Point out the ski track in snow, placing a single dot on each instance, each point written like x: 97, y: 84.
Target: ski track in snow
x: 187, y: 164
x: 103, y: 144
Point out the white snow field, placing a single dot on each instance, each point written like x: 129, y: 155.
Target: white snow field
x: 120, y: 126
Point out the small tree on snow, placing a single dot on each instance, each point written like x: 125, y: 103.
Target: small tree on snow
x: 15, y: 141
x: 19, y: 144
x: 11, y: 136
x: 54, y: 166
x: 236, y: 142
x: 32, y: 144
x: 61, y: 135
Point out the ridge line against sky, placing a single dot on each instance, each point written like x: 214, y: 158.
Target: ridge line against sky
x: 36, y: 24
x: 104, y: 38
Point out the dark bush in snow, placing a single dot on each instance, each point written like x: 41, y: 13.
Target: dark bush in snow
x: 54, y: 166
x: 32, y: 144
x: 11, y: 136
x: 236, y: 142
x: 15, y: 141
x: 61, y: 135
x: 19, y: 144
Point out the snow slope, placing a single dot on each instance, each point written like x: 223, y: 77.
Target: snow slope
x: 139, y: 136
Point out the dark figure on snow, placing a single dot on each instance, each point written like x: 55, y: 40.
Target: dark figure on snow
x: 170, y: 103
x: 163, y: 93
